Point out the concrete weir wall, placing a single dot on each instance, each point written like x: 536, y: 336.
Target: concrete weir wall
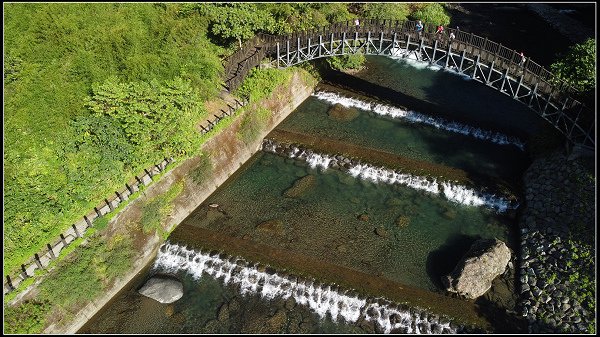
x: 227, y: 153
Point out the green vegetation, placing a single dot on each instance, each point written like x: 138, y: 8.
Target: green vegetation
x: 63, y: 151
x: 432, y: 13
x: 389, y: 11
x: 347, y: 62
x: 261, y: 82
x: 578, y: 66
x: 155, y: 210
x: 253, y: 124
x: 27, y: 318
x: 202, y: 170
x: 84, y: 274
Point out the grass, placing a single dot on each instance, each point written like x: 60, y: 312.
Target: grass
x: 155, y: 210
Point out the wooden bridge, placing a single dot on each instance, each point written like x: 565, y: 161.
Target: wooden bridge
x: 483, y: 60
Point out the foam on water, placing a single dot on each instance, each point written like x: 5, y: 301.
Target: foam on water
x: 322, y: 299
x: 453, y: 192
x: 416, y: 117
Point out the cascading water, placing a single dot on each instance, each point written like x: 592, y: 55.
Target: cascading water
x: 457, y: 193
x: 322, y: 299
x: 415, y: 117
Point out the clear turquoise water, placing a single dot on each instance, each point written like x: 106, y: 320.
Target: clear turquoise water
x: 323, y: 222
x: 416, y: 141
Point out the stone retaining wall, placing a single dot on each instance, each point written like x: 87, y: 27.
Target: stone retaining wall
x: 558, y: 201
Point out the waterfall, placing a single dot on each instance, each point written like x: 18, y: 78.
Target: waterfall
x: 320, y: 298
x: 453, y: 192
x: 415, y: 117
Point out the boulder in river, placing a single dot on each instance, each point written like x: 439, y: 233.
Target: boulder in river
x: 473, y: 275
x: 163, y: 289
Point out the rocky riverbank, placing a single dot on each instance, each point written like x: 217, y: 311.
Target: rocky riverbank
x: 557, y: 247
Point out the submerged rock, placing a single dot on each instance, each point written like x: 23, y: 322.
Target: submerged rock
x: 402, y: 221
x: 341, y: 113
x: 381, y: 232
x: 273, y: 226
x: 473, y: 275
x: 300, y: 186
x: 163, y: 289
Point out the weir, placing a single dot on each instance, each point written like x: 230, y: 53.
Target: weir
x: 416, y: 117
x: 321, y: 298
x: 457, y: 193
x: 292, y: 274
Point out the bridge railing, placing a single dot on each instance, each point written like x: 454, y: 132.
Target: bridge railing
x: 236, y: 65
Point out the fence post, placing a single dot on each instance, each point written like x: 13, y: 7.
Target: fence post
x: 62, y: 239
x: 76, y: 231
x: 52, y: 256
x: 9, y: 283
x: 36, y: 258
x: 87, y: 221
x: 110, y: 206
x: 24, y: 272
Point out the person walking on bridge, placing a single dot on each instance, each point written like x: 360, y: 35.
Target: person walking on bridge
x: 419, y: 27
x: 523, y: 58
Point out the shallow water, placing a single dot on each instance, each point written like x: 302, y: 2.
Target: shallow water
x: 392, y: 231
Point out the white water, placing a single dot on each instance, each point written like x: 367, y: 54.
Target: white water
x: 322, y: 299
x: 415, y: 117
x: 409, y: 58
x: 456, y: 193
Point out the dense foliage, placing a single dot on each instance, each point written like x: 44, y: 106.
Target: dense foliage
x: 346, y: 62
x: 578, y: 66
x: 64, y: 152
x: 390, y: 11
x: 432, y: 13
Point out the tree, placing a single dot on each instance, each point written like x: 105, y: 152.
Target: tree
x: 239, y: 21
x: 578, y: 66
x: 433, y: 13
x: 391, y: 11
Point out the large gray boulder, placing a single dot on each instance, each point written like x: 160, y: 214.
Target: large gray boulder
x: 163, y: 289
x: 473, y: 275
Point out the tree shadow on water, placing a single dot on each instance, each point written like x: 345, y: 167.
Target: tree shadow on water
x: 442, y: 261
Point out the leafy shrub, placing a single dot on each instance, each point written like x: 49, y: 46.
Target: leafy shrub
x: 389, y: 11
x: 578, y: 66
x: 432, y: 13
x: 28, y: 317
x: 346, y: 62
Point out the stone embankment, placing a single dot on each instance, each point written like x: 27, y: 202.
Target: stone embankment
x: 557, y: 227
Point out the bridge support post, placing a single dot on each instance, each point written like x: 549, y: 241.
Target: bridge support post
x: 287, y: 51
x: 462, y: 59
x: 448, y: 54
x: 320, y: 44
x: 298, y: 51
x: 380, y: 43
x: 394, y: 43
x: 343, y: 42
x: 489, y: 77
x: 278, y: 55
x: 420, y: 50
x: 518, y: 87
x: 308, y: 49
x: 504, y: 79
x: 435, y: 43
x: 533, y: 93
x: 331, y: 45
x: 475, y: 66
x: 407, y: 41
